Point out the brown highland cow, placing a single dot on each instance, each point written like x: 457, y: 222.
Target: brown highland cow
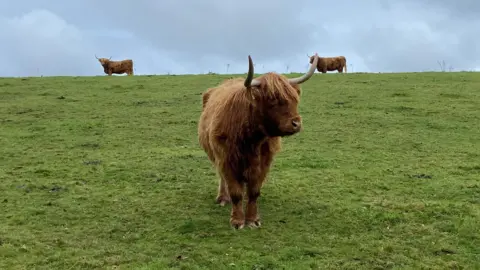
x: 331, y: 64
x: 117, y: 67
x: 240, y: 129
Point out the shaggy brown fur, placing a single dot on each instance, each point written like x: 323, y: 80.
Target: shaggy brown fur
x: 117, y: 67
x: 331, y: 64
x: 240, y: 129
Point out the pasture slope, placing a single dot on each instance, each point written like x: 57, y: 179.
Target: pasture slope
x: 106, y: 172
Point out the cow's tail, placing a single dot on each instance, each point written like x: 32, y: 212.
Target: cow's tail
x: 345, y: 65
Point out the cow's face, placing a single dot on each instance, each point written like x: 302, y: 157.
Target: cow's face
x: 276, y: 98
x: 281, y: 117
x: 103, y: 61
x: 311, y: 59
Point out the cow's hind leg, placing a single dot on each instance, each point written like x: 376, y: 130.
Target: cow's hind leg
x: 223, y: 197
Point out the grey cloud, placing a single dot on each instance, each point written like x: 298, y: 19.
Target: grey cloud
x: 413, y: 39
x: 186, y: 36
x: 456, y: 10
x: 42, y: 43
x: 198, y: 32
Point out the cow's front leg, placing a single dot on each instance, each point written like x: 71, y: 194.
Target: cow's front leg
x: 235, y: 190
x: 234, y: 186
x: 256, y: 175
x: 252, y: 218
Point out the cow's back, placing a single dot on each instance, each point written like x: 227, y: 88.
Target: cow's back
x: 331, y: 63
x: 129, y: 63
x: 209, y: 98
x: 214, y: 119
x: 122, y: 66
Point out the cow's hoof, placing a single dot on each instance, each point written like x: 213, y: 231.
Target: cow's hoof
x: 254, y: 224
x: 237, y: 224
x: 222, y: 200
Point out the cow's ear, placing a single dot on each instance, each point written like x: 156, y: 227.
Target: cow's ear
x: 297, y: 88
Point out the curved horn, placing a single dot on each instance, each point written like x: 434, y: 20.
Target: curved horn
x: 110, y: 58
x: 307, y: 75
x: 96, y: 56
x: 250, y: 81
x: 308, y: 55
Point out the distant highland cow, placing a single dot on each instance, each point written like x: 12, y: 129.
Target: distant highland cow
x: 330, y: 63
x: 117, y: 67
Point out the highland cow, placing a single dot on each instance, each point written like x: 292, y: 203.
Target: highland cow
x: 117, y: 67
x: 240, y: 129
x: 331, y: 64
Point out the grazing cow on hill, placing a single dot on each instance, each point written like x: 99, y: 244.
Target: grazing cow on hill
x: 117, y: 67
x: 331, y: 64
x: 240, y: 129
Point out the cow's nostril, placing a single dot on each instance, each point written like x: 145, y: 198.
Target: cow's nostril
x: 295, y: 123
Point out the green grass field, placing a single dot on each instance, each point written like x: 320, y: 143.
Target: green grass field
x: 106, y: 172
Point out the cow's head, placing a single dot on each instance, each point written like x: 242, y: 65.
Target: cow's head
x: 311, y: 58
x: 103, y: 61
x: 275, y: 98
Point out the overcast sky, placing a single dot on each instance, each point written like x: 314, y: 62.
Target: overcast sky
x: 59, y: 37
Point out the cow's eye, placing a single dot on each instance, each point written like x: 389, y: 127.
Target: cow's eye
x: 282, y: 103
x: 274, y: 102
